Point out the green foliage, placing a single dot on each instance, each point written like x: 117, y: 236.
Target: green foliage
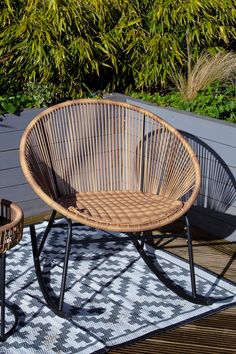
x: 31, y: 95
x: 41, y: 95
x: 89, y: 45
x: 216, y: 101
x: 13, y: 104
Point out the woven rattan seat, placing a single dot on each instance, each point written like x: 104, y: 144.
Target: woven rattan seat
x: 122, y: 209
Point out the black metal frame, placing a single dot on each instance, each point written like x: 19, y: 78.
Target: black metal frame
x: 138, y: 241
x: 3, y: 334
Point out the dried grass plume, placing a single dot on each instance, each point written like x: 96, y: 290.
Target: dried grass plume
x: 204, y: 72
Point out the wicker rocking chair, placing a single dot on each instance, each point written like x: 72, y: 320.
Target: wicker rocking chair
x: 110, y: 166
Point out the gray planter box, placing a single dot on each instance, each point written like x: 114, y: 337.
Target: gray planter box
x: 213, y: 141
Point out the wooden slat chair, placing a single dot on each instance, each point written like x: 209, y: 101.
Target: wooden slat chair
x: 111, y: 166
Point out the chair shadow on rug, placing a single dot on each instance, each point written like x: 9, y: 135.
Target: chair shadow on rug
x: 110, y: 166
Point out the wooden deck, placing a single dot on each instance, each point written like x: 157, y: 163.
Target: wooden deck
x: 215, y: 334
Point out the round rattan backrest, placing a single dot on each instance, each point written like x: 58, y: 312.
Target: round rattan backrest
x: 96, y: 145
x: 11, y: 225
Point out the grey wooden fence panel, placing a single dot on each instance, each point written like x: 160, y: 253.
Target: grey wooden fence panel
x: 10, y: 140
x: 33, y: 207
x: 18, y: 193
x: 13, y: 185
x: 215, y: 144
x: 12, y: 122
x: 9, y: 159
x: 11, y: 177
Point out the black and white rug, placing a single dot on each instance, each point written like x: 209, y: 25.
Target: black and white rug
x: 116, y: 300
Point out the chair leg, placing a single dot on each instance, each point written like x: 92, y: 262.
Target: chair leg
x: 2, y: 289
x: 65, y: 267
x: 190, y: 254
x: 3, y: 334
x: 48, y: 228
x: 55, y: 306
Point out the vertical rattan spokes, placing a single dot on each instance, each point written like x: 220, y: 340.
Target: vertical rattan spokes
x: 97, y: 145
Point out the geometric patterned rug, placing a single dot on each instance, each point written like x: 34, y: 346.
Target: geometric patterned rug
x: 114, y: 298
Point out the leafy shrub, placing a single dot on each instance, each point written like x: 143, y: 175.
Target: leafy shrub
x: 89, y: 45
x: 30, y: 95
x: 41, y: 95
x: 216, y: 101
x: 13, y: 104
